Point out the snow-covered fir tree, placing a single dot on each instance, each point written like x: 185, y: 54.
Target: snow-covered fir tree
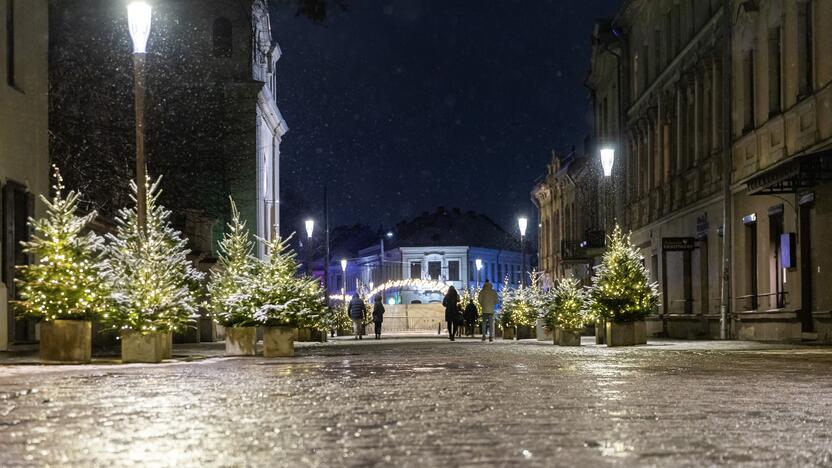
x: 283, y: 298
x: 565, y: 306
x: 154, y: 283
x: 621, y: 290
x: 233, y: 284
x: 67, y: 279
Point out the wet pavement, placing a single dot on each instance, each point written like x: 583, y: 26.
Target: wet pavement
x: 428, y: 402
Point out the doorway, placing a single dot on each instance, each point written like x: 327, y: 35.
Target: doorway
x: 806, y: 274
x: 18, y: 206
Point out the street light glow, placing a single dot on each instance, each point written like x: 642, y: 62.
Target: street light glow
x: 344, y: 265
x: 607, y: 160
x: 479, y: 264
x: 310, y: 227
x: 522, y: 223
x: 138, y: 19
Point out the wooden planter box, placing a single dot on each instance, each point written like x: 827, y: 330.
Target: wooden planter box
x: 319, y: 336
x: 526, y: 332
x: 626, y: 333
x: 567, y: 337
x: 508, y: 333
x: 66, y: 341
x: 304, y: 335
x: 166, y: 341
x: 241, y: 341
x: 278, y: 341
x: 136, y: 347
x: 600, y: 332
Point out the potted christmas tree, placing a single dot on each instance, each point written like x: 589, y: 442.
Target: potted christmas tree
x: 64, y: 288
x: 152, y: 280
x: 621, y: 293
x: 565, y: 312
x: 231, y: 288
x: 285, y: 302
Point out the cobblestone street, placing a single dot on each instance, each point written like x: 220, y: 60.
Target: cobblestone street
x: 428, y: 402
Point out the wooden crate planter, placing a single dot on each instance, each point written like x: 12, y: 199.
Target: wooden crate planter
x: 567, y: 337
x: 241, y: 341
x: 137, y: 347
x: 626, y: 333
x: 166, y: 342
x: 278, y: 341
x: 66, y: 341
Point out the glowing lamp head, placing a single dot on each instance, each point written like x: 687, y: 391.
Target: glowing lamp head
x: 391, y: 301
x: 607, y: 160
x: 344, y: 264
x: 310, y: 227
x: 389, y: 234
x: 522, y: 223
x: 478, y: 263
x: 138, y: 19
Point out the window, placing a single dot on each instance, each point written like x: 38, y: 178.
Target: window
x: 435, y: 270
x: 775, y: 223
x: 805, y: 40
x: 774, y: 70
x: 10, y: 42
x: 222, y: 37
x: 416, y: 270
x: 748, y: 90
x: 751, y: 263
x: 453, y: 270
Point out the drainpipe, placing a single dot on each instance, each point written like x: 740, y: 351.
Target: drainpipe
x: 725, y: 309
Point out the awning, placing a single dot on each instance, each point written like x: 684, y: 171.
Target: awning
x: 793, y: 175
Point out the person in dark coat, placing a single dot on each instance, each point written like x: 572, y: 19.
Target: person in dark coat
x: 378, y: 315
x: 358, y: 312
x: 451, y: 303
x: 471, y: 313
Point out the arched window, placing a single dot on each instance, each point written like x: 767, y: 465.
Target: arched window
x: 222, y: 37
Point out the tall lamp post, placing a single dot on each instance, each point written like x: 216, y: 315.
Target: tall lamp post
x: 522, y: 223
x: 389, y: 235
x: 310, y: 228
x: 478, y: 262
x: 138, y: 19
x: 344, y: 280
x: 607, y: 161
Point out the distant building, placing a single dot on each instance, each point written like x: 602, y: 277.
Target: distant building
x: 441, y: 246
x: 213, y: 128
x: 571, y: 235
x: 658, y: 80
x: 24, y: 145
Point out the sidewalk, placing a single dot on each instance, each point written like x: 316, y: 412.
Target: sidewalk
x: 188, y: 352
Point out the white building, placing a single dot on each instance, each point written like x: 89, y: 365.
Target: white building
x: 442, y: 246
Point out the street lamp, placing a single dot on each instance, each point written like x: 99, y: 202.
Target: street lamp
x: 344, y: 280
x: 138, y: 20
x: 310, y: 228
x: 389, y: 235
x: 607, y: 160
x: 523, y: 223
x: 478, y: 262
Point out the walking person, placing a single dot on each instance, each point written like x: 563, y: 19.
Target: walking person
x: 488, y: 301
x: 451, y: 303
x: 471, y: 313
x: 378, y: 315
x: 358, y: 312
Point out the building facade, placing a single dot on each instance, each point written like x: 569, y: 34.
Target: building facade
x: 212, y: 125
x: 724, y: 115
x: 24, y: 145
x: 781, y: 166
x: 443, y: 247
x: 570, y: 210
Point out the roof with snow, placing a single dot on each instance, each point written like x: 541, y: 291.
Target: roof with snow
x: 452, y: 227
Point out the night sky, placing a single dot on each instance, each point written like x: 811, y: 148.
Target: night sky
x: 400, y: 106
